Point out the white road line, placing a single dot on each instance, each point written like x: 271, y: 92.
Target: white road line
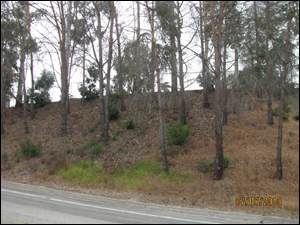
x: 20, y: 193
x: 131, y: 212
x: 109, y: 209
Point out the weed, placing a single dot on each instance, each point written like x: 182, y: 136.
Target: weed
x: 114, y: 138
x: 92, y: 129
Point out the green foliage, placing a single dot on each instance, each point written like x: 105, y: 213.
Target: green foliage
x: 82, y: 173
x: 95, y: 146
x: 114, y: 112
x: 91, y: 129
x: 136, y: 176
x: 226, y: 161
x: 275, y: 112
x: 286, y: 110
x: 90, y: 91
x: 130, y: 124
x: 286, y: 116
x: 45, y: 82
x: 114, y: 138
x: 42, y: 86
x: 29, y: 149
x: 296, y: 117
x: 178, y: 133
x: 203, y: 166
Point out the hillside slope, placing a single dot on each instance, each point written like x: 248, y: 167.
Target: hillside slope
x: 248, y: 141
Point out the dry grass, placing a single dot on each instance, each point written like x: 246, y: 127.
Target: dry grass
x: 249, y: 142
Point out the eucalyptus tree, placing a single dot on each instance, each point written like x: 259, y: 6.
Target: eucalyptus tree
x: 22, y: 32
x: 63, y: 23
x: 9, y: 55
x: 166, y: 16
x: 161, y: 123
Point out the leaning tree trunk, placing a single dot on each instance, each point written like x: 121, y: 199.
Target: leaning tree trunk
x: 161, y: 123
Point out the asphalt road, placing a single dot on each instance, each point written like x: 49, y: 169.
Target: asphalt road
x: 22, y: 203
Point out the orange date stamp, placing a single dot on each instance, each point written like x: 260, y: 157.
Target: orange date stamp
x: 258, y: 201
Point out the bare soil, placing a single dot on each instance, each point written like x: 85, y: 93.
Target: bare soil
x: 250, y: 143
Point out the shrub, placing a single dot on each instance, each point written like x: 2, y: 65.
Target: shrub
x: 286, y: 116
x: 114, y: 112
x: 29, y: 149
x: 95, y: 147
x: 178, y: 133
x: 203, y: 166
x: 130, y: 124
x: 226, y: 161
x: 296, y: 117
x: 275, y: 112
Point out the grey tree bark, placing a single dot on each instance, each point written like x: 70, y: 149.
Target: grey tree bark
x: 161, y: 123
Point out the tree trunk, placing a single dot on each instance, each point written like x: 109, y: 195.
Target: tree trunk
x: 218, y: 171
x: 2, y: 89
x: 173, y: 48
x: 182, y: 108
x: 83, y: 58
x: 224, y: 81
x: 22, y: 74
x: 258, y: 64
x: 100, y: 65
x: 279, y: 174
x: 152, y: 69
x: 205, y: 93
x: 27, y: 15
x: 138, y: 63
x: 108, y: 71
x: 121, y: 91
x: 161, y: 123
x: 268, y: 72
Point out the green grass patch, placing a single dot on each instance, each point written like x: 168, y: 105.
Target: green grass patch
x: 136, y: 176
x: 82, y: 173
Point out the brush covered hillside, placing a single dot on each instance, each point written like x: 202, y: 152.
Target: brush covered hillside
x: 129, y: 166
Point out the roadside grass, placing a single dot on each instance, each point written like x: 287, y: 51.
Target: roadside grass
x: 82, y: 173
x: 146, y: 175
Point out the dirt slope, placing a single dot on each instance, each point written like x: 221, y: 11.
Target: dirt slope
x: 248, y: 141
